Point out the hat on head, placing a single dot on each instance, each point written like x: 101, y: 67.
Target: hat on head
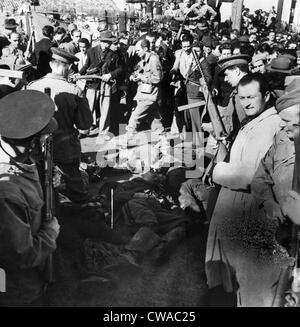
x: 234, y: 60
x: 290, y: 98
x: 107, y: 36
x: 25, y: 113
x: 63, y: 56
x: 244, y: 39
x: 10, y: 23
x: 207, y: 42
x: 144, y: 27
x: 281, y: 64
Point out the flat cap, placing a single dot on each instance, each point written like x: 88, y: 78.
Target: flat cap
x: 234, y: 60
x: 25, y: 113
x: 63, y: 56
x: 291, y: 96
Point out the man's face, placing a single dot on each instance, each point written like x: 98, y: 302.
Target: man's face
x: 123, y: 45
x: 186, y: 46
x: 226, y: 53
x: 290, y: 120
x: 152, y: 41
x: 76, y: 36
x: 83, y: 47
x: 15, y: 40
x: 232, y: 76
x: 114, y: 47
x: 272, y: 36
x: 252, y: 38
x: 207, y: 50
x: 251, y: 99
x: 233, y: 36
x: 140, y: 51
x: 278, y: 37
x: 259, y: 67
x: 105, y: 45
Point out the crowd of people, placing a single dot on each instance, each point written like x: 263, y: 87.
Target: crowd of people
x: 168, y: 75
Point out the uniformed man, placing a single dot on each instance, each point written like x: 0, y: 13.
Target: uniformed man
x: 72, y: 109
x: 27, y: 239
x: 234, y: 68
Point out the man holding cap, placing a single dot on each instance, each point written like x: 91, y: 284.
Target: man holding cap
x: 72, y: 110
x: 27, y: 239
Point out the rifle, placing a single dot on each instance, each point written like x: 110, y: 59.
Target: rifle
x: 47, y: 145
x: 213, y: 112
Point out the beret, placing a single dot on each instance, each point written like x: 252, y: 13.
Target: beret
x: 25, y: 113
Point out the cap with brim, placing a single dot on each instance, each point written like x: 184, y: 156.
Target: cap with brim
x: 25, y: 113
x: 107, y: 36
x: 234, y: 60
x: 10, y: 24
x: 63, y: 56
x: 281, y: 64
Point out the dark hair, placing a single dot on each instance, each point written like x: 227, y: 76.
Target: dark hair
x: 85, y: 41
x: 264, y: 47
x: 165, y: 34
x: 60, y: 30
x: 187, y: 38
x: 48, y: 30
x: 264, y: 86
x: 152, y: 34
x: 225, y: 46
x: 247, y: 49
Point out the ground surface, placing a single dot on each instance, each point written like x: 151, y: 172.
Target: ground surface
x: 178, y: 282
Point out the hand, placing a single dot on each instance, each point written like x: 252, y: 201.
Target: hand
x: 207, y: 127
x: 106, y: 77
x: 75, y: 76
x: 57, y: 176
x: 291, y: 207
x: 53, y: 225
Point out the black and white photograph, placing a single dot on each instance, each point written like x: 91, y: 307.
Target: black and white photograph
x: 149, y: 156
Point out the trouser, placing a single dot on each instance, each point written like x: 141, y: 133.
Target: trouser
x: 100, y: 105
x: 75, y: 189
x: 92, y: 97
x: 180, y: 100
x: 193, y: 123
x: 145, y: 110
x: 167, y: 106
x: 115, y: 112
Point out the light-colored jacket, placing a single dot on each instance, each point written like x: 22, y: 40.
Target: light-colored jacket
x: 151, y: 74
x: 251, y: 144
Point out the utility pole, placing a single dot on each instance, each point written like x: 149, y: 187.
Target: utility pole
x: 237, y: 8
x: 279, y: 14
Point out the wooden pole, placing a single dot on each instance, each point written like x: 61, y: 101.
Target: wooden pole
x: 237, y: 7
x: 279, y: 14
